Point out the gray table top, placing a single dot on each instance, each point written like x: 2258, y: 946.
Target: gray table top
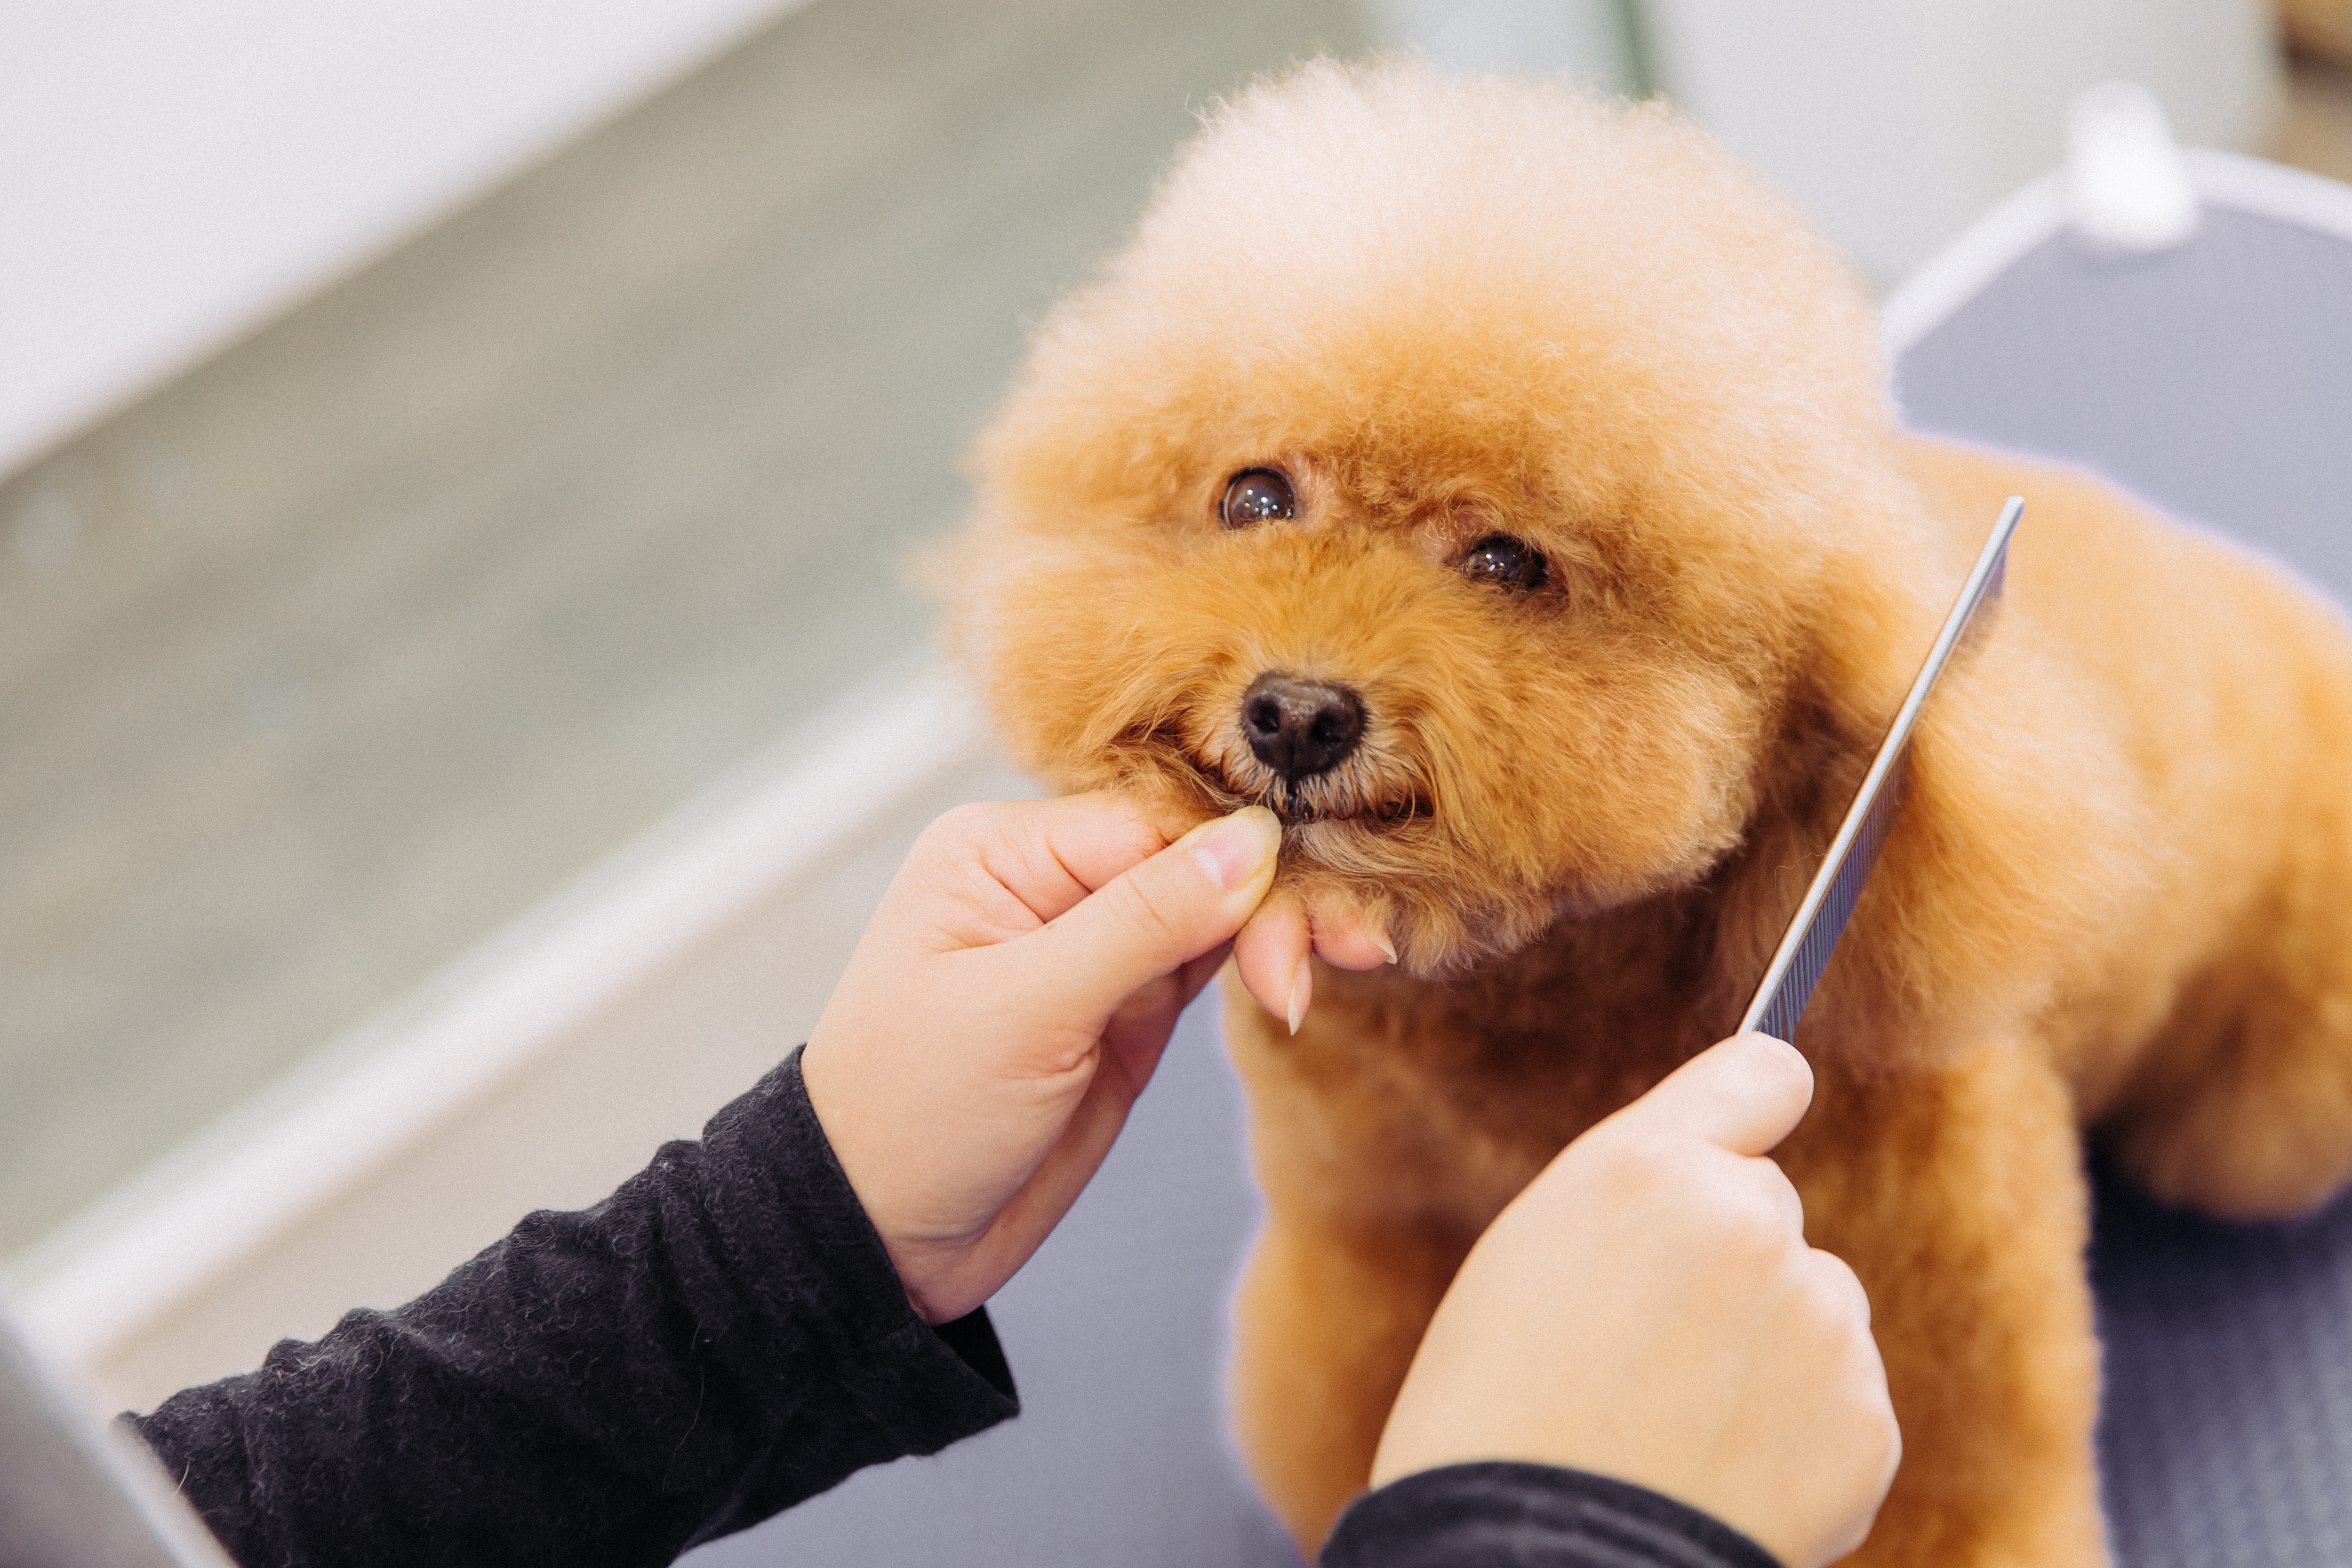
x: 2216, y: 380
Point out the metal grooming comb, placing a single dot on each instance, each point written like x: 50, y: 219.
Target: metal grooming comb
x: 1804, y: 951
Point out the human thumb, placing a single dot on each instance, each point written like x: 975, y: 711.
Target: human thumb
x: 1155, y: 917
x: 1744, y: 1094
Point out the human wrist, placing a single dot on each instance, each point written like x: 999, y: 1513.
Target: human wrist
x: 917, y: 1261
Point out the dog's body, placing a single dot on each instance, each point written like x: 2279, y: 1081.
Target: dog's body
x: 1553, y: 448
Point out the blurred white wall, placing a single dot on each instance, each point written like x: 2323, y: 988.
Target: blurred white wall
x: 1587, y: 39
x: 1897, y: 122
x: 173, y: 173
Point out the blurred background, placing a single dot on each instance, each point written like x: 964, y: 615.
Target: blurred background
x: 460, y: 464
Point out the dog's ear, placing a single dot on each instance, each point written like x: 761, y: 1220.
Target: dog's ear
x: 2022, y: 825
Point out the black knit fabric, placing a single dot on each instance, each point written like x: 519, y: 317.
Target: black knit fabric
x: 720, y: 1339
x: 1499, y: 1515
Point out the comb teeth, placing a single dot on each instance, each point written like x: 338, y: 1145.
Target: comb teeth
x: 1981, y: 618
x: 1796, y: 987
x: 1820, y: 919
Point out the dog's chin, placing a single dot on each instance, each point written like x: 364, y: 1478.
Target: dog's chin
x: 1387, y: 850
x: 1321, y: 800
x: 1373, y: 816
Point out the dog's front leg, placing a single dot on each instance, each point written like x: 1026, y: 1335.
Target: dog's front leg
x: 1958, y: 1197
x: 1324, y: 1325
x: 1374, y: 1191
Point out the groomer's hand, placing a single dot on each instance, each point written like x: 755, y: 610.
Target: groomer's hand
x: 1006, y: 1005
x: 1648, y: 1310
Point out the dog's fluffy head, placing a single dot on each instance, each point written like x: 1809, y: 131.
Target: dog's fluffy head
x: 1444, y: 312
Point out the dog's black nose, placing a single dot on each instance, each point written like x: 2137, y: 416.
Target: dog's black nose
x: 1300, y: 728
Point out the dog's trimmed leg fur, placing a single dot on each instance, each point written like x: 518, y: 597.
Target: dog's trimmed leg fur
x: 1337, y: 1293
x: 1958, y: 1197
x: 1381, y: 1167
x: 2243, y: 1108
x: 1955, y: 1192
x: 1324, y: 1327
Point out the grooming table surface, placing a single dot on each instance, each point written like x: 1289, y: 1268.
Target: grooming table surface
x: 2215, y: 379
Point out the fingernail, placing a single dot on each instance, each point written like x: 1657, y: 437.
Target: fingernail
x: 1233, y: 849
x: 1302, y: 990
x: 1380, y: 940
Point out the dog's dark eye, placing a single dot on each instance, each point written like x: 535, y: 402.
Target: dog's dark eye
x: 1256, y: 495
x: 1506, y: 563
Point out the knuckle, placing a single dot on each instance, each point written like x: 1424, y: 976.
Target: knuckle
x: 1874, y: 1439
x: 1749, y: 1233
x: 1890, y: 1443
x: 1631, y: 1166
x: 1839, y: 1288
x: 1751, y: 1214
x: 1815, y: 1299
x: 1826, y: 1302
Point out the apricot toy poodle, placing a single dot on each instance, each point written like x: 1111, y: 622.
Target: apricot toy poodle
x: 1501, y: 484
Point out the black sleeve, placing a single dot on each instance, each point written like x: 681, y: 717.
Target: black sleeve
x: 720, y: 1339
x: 1499, y: 1515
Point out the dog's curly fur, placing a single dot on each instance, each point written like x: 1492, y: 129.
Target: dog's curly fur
x: 2119, y: 896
